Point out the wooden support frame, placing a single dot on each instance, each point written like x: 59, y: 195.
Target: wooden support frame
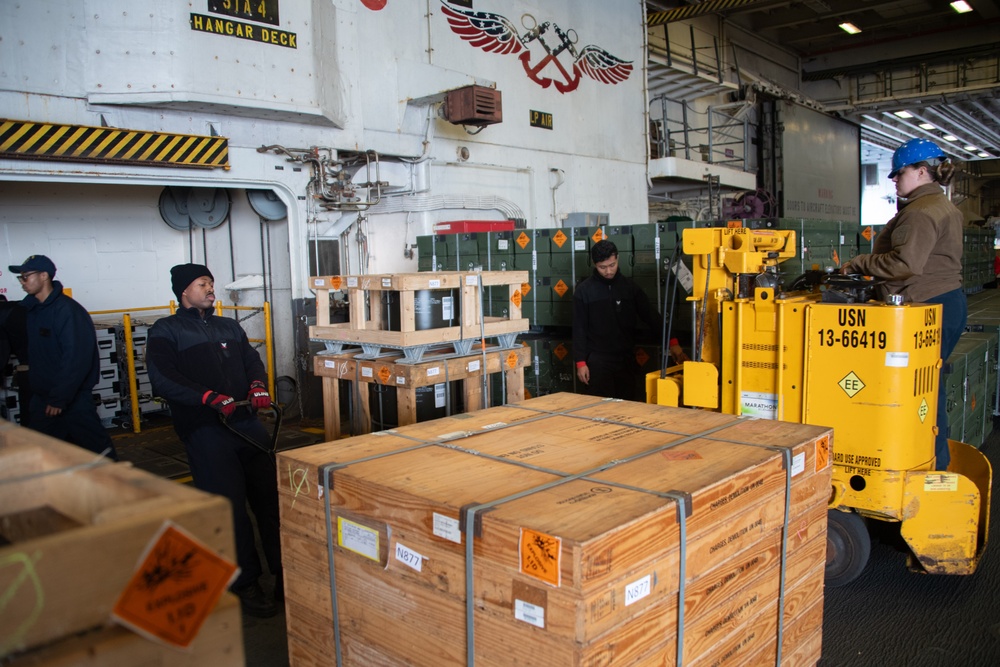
x: 408, y: 377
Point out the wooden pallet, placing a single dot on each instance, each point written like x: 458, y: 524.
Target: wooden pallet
x: 365, y: 314
x: 408, y: 377
x: 574, y: 530
x: 72, y: 529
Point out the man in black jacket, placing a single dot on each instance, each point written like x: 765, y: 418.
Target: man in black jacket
x: 607, y: 310
x: 198, y: 362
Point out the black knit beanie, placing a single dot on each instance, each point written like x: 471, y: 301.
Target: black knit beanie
x: 183, y: 275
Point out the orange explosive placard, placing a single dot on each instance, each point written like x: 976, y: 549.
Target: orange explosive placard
x: 540, y: 556
x: 176, y: 586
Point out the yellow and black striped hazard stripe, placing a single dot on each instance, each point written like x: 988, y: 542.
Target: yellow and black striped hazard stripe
x: 690, y: 11
x: 81, y: 143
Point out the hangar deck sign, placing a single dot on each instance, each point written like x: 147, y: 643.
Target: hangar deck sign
x: 264, y: 11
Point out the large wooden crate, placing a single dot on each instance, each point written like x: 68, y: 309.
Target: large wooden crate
x: 366, y: 323
x: 407, y: 378
x: 560, y: 530
x: 72, y: 529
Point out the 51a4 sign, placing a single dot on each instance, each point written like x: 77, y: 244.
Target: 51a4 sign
x: 262, y: 11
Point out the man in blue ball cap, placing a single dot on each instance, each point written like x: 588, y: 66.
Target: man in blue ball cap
x: 65, y: 363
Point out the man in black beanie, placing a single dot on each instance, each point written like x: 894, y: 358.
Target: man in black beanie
x: 198, y: 362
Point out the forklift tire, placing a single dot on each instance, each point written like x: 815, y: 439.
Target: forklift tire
x: 848, y: 546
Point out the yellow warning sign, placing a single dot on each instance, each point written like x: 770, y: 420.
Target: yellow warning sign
x: 525, y: 288
x: 540, y: 555
x: 523, y: 240
x: 851, y: 384
x: 560, y: 351
x: 641, y: 357
x: 822, y: 453
x: 335, y: 282
x: 515, y: 298
x: 384, y: 374
x: 867, y: 233
x: 598, y: 235
x: 943, y: 481
x: 923, y: 410
x: 512, y: 360
x: 559, y: 238
x: 561, y: 288
x: 175, y: 587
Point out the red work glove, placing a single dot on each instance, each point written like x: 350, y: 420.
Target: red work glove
x: 220, y: 402
x: 258, y: 396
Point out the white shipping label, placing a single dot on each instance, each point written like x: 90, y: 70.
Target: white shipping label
x: 439, y: 395
x: 330, y: 364
x: 529, y: 613
x: 471, y: 280
x: 447, y: 528
x: 352, y: 281
x: 580, y: 245
x: 637, y: 590
x: 447, y: 307
x: 357, y: 538
x: 400, y: 379
x: 798, y: 463
x: 433, y: 283
x: 387, y: 282
x: 897, y: 359
x: 409, y: 557
x: 473, y: 366
x: 503, y: 244
x: 534, y: 260
x: 656, y: 247
x: 431, y: 372
x: 367, y: 372
x: 318, y: 282
x: 684, y: 275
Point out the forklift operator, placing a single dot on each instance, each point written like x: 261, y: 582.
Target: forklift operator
x: 919, y: 252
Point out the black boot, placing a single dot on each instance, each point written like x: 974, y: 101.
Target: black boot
x: 254, y: 602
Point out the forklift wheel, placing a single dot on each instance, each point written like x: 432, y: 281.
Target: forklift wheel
x: 848, y: 546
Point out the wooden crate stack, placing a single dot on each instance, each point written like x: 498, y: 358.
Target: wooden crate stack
x: 407, y: 378
x: 72, y: 529
x: 563, y: 530
x: 366, y: 326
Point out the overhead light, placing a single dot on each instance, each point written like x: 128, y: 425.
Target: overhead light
x: 972, y: 149
x: 926, y: 126
x: 850, y: 28
x: 950, y: 137
x: 961, y: 6
x: 983, y: 154
x: 903, y: 113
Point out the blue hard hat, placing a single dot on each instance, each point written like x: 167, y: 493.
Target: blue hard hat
x: 914, y: 151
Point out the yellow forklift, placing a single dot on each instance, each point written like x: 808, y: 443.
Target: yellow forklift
x: 825, y: 350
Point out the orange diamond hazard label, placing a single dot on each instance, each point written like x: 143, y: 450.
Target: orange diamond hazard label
x: 512, y: 360
x: 515, y: 298
x: 384, y: 374
x: 525, y: 288
x: 559, y: 238
x: 561, y: 288
x: 867, y: 233
x: 335, y: 282
x: 598, y: 235
x: 836, y: 258
x: 560, y: 351
x: 177, y: 584
x: 523, y: 240
x: 641, y: 357
x: 540, y: 555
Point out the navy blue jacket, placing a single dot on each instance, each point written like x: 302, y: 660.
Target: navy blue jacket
x: 189, y: 355
x: 607, y: 315
x: 62, y: 348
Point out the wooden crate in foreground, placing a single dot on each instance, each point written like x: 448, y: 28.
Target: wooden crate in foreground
x: 72, y: 529
x: 561, y: 530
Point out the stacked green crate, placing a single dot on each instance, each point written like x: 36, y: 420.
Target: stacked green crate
x: 977, y: 375
x: 988, y: 326
x: 850, y: 241
x: 953, y: 385
x: 432, y: 253
x: 568, y: 263
x: 990, y: 385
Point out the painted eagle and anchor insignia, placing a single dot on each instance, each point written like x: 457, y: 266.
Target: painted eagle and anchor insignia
x: 494, y: 33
